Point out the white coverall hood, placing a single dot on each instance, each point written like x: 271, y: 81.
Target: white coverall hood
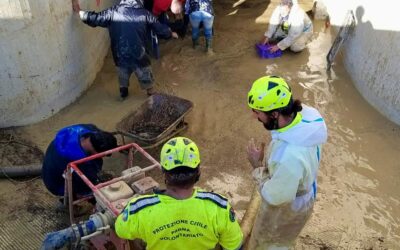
x: 311, y: 131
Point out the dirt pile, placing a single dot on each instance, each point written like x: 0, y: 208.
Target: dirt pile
x: 157, y: 115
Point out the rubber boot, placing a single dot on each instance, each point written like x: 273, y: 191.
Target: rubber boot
x: 195, y: 43
x: 209, y: 49
x: 123, y: 91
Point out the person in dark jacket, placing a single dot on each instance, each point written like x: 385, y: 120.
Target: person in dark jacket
x: 73, y: 143
x: 170, y: 12
x: 128, y: 24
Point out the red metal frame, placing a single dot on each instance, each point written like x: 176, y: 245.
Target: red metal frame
x: 73, y: 167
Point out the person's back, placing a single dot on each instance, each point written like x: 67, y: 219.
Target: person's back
x: 180, y: 217
x: 196, y: 223
x: 129, y: 25
x: 73, y: 143
x: 128, y: 32
x: 200, y: 5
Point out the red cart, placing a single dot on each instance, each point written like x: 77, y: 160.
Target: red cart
x: 101, y: 238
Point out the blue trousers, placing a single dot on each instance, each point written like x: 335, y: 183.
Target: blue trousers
x: 196, y: 18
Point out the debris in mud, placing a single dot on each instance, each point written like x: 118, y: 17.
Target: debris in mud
x: 157, y: 115
x: 366, y: 243
x: 45, y: 209
x: 15, y: 151
x: 315, y: 243
x: 29, y: 212
x: 375, y: 243
x: 156, y: 120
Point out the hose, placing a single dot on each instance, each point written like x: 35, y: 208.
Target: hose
x: 77, y: 232
x: 21, y: 171
x: 249, y: 217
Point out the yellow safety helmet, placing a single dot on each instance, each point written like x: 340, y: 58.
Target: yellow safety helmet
x: 269, y: 93
x: 179, y: 152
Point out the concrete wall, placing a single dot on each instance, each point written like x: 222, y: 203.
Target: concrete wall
x: 372, y: 54
x: 48, y: 57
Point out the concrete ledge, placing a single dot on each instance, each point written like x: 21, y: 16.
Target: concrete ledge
x: 372, y: 52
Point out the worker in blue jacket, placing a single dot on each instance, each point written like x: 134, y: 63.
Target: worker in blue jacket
x: 70, y: 144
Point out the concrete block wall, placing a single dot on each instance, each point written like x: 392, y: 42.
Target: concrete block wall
x: 372, y: 53
x: 48, y: 57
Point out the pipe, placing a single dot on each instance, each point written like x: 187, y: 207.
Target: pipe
x: 250, y: 215
x: 59, y: 239
x: 21, y: 171
x: 75, y: 233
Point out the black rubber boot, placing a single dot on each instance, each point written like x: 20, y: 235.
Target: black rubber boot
x: 209, y: 45
x: 123, y: 91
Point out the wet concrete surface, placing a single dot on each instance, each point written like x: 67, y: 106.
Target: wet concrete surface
x: 358, y: 198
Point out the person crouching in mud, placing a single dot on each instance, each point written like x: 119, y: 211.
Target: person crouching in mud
x: 289, y: 27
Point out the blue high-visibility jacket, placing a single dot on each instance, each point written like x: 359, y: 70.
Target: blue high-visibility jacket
x: 65, y: 148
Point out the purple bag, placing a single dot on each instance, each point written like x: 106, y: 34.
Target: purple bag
x: 263, y: 51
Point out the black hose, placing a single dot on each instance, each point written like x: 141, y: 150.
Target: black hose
x: 21, y: 171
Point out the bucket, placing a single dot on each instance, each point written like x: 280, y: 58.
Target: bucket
x: 263, y: 51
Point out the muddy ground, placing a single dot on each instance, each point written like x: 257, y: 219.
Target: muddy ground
x: 358, y: 201
x: 15, y: 151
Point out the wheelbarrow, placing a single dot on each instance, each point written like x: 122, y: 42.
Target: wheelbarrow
x: 158, y: 119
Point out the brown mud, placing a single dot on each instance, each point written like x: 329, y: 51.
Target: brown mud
x: 15, y: 151
x: 358, y: 200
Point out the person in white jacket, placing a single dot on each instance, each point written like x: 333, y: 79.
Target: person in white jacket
x: 289, y: 27
x: 287, y: 179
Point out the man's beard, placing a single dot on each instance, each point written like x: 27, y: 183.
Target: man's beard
x: 272, y: 123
